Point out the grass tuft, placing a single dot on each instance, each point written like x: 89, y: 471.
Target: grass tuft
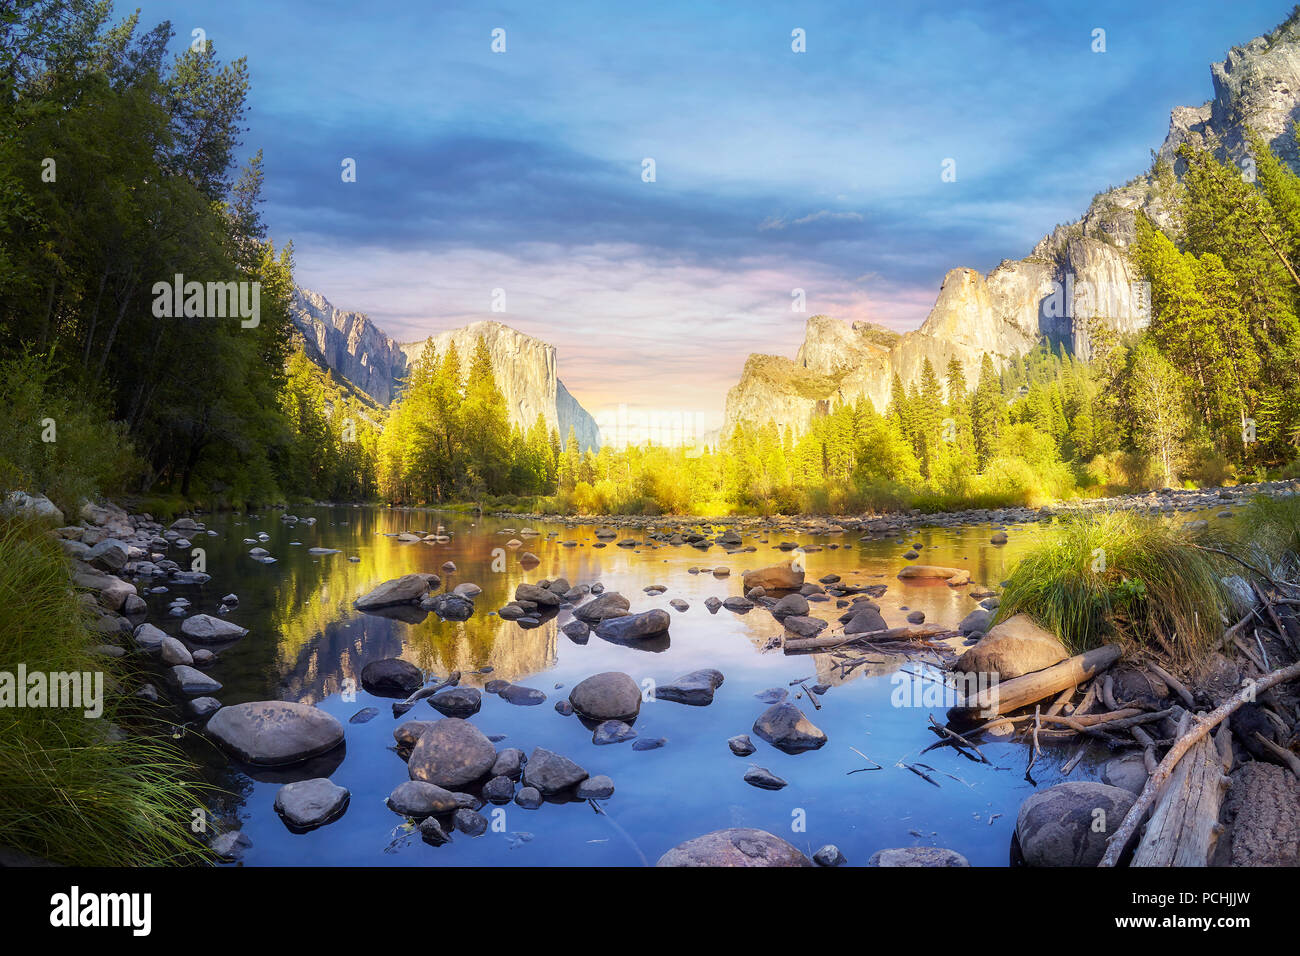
x: 69, y: 792
x: 1119, y: 577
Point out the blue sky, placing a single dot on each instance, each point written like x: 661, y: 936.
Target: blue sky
x: 819, y: 170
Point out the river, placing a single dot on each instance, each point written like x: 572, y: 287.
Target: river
x: 307, y: 643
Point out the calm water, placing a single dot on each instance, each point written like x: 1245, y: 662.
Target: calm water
x: 306, y: 640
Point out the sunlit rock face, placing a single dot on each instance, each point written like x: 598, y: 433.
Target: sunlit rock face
x: 355, y: 348
x: 1075, y: 276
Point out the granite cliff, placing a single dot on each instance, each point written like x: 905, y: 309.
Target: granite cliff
x: 359, y: 351
x: 1077, y: 274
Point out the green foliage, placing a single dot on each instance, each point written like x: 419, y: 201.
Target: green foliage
x: 1115, y: 576
x: 55, y: 441
x: 69, y: 792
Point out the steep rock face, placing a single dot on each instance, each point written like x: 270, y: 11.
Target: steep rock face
x: 1078, y: 274
x: 358, y: 350
x: 525, y: 372
x: 349, y: 343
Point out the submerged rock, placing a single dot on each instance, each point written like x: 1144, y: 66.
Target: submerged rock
x: 734, y: 847
x: 307, y: 804
x: 1059, y: 826
x: 917, y: 856
x: 275, y: 732
x: 612, y: 695
x: 451, y: 753
x: 785, y: 727
x: 696, y: 688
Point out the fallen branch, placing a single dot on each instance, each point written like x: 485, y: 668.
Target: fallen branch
x: 1120, y: 839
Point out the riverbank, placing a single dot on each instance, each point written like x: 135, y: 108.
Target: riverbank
x: 88, y: 773
x: 1166, y: 502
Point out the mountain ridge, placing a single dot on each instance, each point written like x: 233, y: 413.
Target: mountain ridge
x: 353, y: 347
x: 1077, y: 272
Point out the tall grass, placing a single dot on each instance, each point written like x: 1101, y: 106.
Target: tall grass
x: 1120, y: 577
x: 1267, y: 534
x: 69, y: 793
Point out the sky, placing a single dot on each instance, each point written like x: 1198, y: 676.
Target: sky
x: 524, y: 170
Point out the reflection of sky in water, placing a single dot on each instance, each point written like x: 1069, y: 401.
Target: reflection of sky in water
x: 306, y: 640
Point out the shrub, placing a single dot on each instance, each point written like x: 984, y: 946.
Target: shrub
x: 1116, y: 576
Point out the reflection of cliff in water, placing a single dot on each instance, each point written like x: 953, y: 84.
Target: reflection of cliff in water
x: 341, y: 649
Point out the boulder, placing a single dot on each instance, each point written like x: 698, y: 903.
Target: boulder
x: 206, y: 629
x: 307, y: 804
x: 275, y: 732
x: 551, y: 773
x: 193, y: 683
x: 1064, y: 825
x: 609, y: 696
x: 457, y: 701
x: 635, y: 627
x: 917, y: 856
x: 979, y: 620
x: 599, y: 787
x: 785, y: 727
x: 792, y: 605
x: 778, y: 577
x: 173, y: 652
x: 408, y: 589
x: 449, y: 606
x: 451, y: 753
x: 150, y: 638
x: 734, y: 847
x: 1013, y: 648
x: 695, y: 688
x: 391, y: 677
x: 418, y: 799
x: 608, y: 604
x: 538, y: 595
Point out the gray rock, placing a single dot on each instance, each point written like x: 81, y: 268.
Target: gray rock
x: 417, y: 799
x: 173, y: 652
x: 1059, y: 826
x: 785, y: 727
x: 391, y: 677
x: 275, y: 732
x: 509, y: 763
x: 408, y: 732
x: 529, y: 798
x: 1128, y: 772
x: 609, y: 696
x: 610, y: 604
x: 741, y: 745
x: 150, y: 638
x: 599, y: 787
x: 432, y: 833
x: 696, y: 688
x: 449, y: 607
x: 917, y: 856
x: 499, y: 790
x: 457, y: 701
x: 469, y: 822
x: 734, y: 847
x: 203, y: 707
x: 307, y: 804
x: 451, y: 753
x: 635, y: 627
x: 231, y: 846
x: 764, y: 779
x: 829, y: 855
x: 193, y: 683
x: 522, y: 696
x: 408, y: 589
x: 551, y: 773
x: 612, y: 732
x: 206, y: 629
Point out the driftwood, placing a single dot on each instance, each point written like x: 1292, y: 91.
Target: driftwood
x: 1184, y: 823
x: 1022, y: 691
x: 1121, y: 838
x: 912, y: 632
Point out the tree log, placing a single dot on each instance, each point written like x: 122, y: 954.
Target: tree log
x: 912, y: 632
x: 1184, y: 824
x: 1120, y: 839
x: 1018, y: 692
